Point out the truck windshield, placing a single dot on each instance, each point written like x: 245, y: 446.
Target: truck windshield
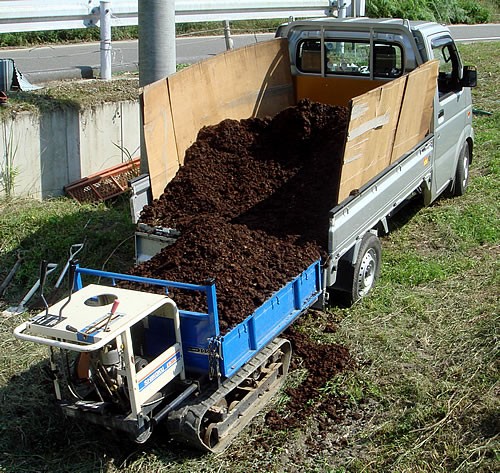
x: 350, y: 58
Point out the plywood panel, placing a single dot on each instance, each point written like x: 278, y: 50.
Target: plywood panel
x: 159, y: 136
x: 251, y: 81
x: 372, y: 128
x: 417, y: 109
x: 256, y: 81
x: 333, y: 90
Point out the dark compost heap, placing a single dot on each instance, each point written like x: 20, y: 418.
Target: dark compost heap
x: 251, y: 203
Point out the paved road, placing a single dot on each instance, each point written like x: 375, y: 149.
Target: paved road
x: 45, y: 63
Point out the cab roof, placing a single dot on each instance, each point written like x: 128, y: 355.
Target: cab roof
x: 361, y: 23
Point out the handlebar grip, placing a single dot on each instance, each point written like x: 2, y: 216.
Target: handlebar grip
x: 71, y: 276
x: 116, y: 303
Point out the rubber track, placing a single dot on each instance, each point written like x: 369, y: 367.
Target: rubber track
x: 185, y: 423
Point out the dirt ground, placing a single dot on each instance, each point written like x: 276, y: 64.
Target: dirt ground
x: 251, y: 203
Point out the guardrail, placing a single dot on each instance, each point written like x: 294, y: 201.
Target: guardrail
x: 40, y: 15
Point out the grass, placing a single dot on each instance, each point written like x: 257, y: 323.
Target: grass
x: 448, y: 11
x: 429, y: 333
x: 424, y: 397
x: 33, y: 230
x: 75, y: 94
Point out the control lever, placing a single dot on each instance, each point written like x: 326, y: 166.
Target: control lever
x: 70, y: 328
x: 43, y: 277
x: 71, y: 283
x: 115, y: 305
x: 96, y: 326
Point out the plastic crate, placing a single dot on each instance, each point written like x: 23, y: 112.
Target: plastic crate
x: 104, y: 184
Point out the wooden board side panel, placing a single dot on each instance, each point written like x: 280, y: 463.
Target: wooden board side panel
x: 159, y: 137
x: 251, y: 81
x: 417, y: 109
x: 371, y: 132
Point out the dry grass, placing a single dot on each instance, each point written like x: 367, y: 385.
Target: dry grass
x: 76, y: 94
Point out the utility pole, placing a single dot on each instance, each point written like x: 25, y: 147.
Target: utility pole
x: 156, y: 48
x: 105, y: 32
x: 156, y: 39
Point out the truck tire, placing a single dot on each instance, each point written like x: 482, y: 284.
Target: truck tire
x: 356, y: 281
x: 367, y: 267
x: 462, y: 173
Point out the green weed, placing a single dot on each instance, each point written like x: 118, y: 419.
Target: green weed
x: 448, y: 11
x: 8, y: 165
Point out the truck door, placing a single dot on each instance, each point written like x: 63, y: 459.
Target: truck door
x: 451, y: 107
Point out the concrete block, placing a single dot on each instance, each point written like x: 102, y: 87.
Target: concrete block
x: 52, y: 149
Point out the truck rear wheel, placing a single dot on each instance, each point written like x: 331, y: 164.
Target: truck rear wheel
x: 357, y: 280
x: 367, y: 267
x: 462, y: 172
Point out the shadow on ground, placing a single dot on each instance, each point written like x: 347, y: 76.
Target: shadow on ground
x: 36, y: 437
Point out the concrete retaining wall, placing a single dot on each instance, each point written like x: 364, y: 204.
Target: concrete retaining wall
x: 50, y: 150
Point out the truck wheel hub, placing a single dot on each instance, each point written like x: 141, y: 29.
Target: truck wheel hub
x: 465, y: 164
x: 367, y: 270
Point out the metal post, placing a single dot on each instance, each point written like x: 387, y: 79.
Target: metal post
x: 351, y: 8
x: 105, y: 31
x: 227, y: 36
x: 342, y: 6
x: 156, y: 50
x: 361, y: 7
x: 156, y: 40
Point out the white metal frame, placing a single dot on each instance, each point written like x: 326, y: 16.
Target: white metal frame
x: 40, y: 15
x: 50, y: 328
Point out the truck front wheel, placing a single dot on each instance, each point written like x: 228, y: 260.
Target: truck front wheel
x: 462, y: 173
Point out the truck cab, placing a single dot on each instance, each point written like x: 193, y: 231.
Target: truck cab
x: 333, y: 60
x: 452, y: 119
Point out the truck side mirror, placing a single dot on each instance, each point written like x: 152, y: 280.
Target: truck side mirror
x: 469, y: 76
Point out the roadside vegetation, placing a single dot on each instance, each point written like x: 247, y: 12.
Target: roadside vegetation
x: 73, y: 94
x: 443, y: 11
x: 424, y: 396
